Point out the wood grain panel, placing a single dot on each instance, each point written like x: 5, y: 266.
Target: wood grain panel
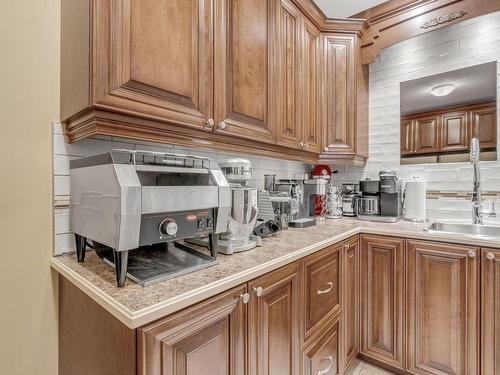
x: 490, y: 311
x: 484, y: 126
x: 426, y: 135
x: 208, y: 338
x: 382, y: 299
x: 274, y: 323
x: 321, y: 357
x: 443, y: 302
x: 453, y: 133
x: 244, y: 68
x: 288, y: 69
x: 407, y: 137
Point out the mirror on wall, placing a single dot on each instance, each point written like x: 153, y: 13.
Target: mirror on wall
x: 440, y: 114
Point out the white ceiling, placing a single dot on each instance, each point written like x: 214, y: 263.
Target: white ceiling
x: 345, y: 8
x: 474, y: 84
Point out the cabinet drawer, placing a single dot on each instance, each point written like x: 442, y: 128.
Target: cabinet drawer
x: 322, y: 273
x: 322, y: 357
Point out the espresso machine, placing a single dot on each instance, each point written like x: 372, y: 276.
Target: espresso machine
x: 380, y: 200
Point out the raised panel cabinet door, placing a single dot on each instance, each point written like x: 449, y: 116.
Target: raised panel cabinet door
x: 426, y: 135
x: 382, y: 299
x: 274, y: 318
x: 454, y: 132
x: 490, y: 310
x: 322, y: 356
x: 407, y: 137
x: 340, y: 90
x: 289, y: 132
x: 484, y: 126
x: 244, y: 69
x: 310, y: 94
x: 209, y: 339
x: 442, y: 308
x: 350, y: 305
x: 322, y: 274
x: 155, y: 59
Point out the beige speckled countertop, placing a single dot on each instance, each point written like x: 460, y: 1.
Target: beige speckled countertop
x: 135, y: 305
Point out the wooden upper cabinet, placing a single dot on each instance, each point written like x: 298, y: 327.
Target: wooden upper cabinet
x: 453, y: 136
x: 382, y: 299
x: 310, y: 91
x: 345, y: 122
x: 407, y: 137
x: 443, y: 309
x: 243, y: 69
x: 426, y: 135
x: 138, y: 43
x: 484, y: 126
x: 289, y: 131
x: 490, y: 303
x: 274, y: 321
x: 208, y: 338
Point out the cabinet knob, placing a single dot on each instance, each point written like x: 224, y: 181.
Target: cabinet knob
x: 258, y: 291
x: 245, y: 297
x: 301, y: 144
x: 347, y: 246
x: 472, y: 254
x: 306, y: 145
x: 490, y: 256
x: 222, y: 125
x: 330, y: 364
x: 210, y: 123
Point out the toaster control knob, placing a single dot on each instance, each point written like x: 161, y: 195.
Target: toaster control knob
x: 168, y: 228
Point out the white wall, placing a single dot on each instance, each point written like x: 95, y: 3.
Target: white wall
x: 474, y: 41
x: 63, y: 153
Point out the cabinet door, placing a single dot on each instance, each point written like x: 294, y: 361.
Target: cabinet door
x: 484, y: 126
x: 490, y: 311
x: 244, y: 94
x: 442, y: 303
x: 289, y: 132
x: 426, y: 135
x: 208, y: 339
x: 407, y: 137
x: 310, y: 93
x: 350, y: 310
x: 322, y: 288
x: 340, y: 105
x: 274, y: 323
x: 382, y: 299
x: 454, y: 132
x: 138, y: 43
x: 322, y: 357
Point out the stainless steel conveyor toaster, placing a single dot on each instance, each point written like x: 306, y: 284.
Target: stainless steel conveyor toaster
x: 124, y: 200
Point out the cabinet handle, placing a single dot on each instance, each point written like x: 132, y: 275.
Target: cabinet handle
x: 222, y: 125
x: 347, y: 246
x: 471, y: 254
x: 306, y: 145
x: 210, y: 123
x: 258, y: 291
x: 490, y: 256
x: 325, y: 371
x: 323, y: 291
x: 245, y: 297
x: 301, y: 144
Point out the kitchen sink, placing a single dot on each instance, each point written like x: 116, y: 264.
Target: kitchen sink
x: 479, y: 231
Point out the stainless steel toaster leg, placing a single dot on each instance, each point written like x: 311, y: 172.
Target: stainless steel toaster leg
x: 121, y: 260
x: 80, y: 247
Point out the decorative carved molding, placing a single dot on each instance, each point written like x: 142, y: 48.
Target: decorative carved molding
x: 443, y: 19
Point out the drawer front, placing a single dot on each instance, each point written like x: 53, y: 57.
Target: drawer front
x: 322, y: 358
x: 322, y: 286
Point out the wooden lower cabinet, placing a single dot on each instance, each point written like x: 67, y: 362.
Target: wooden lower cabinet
x: 209, y: 338
x: 274, y: 323
x: 490, y: 316
x: 382, y: 299
x: 349, y: 323
x: 442, y: 308
x: 321, y: 356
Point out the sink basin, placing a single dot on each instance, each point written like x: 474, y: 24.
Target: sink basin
x: 479, y: 231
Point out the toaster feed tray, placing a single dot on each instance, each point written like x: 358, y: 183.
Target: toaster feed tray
x: 153, y: 264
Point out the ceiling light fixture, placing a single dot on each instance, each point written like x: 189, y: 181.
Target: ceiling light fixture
x: 443, y: 90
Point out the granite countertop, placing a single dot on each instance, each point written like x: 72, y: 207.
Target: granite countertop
x: 135, y: 305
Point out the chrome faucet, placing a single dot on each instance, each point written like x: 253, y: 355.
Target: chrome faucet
x: 477, y: 200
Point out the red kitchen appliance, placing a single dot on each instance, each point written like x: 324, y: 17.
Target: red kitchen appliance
x: 321, y: 171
